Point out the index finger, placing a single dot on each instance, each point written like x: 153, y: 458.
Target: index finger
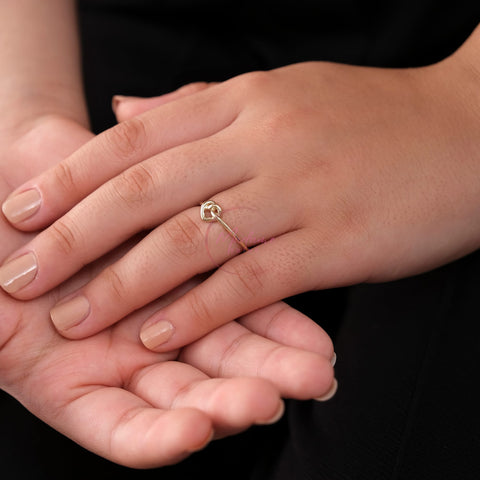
x: 112, y: 152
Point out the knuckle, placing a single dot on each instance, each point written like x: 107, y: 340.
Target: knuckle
x: 247, y: 278
x: 227, y: 357
x: 185, y: 236
x: 116, y: 285
x: 128, y: 138
x: 277, y: 125
x: 192, y: 88
x: 65, y: 236
x: 134, y: 186
x: 286, y: 124
x: 200, y: 310
x: 256, y: 85
x: 257, y: 81
x: 64, y: 177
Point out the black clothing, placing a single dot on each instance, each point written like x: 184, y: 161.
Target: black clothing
x: 408, y: 356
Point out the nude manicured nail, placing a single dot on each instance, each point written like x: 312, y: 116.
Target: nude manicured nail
x: 333, y: 360
x: 157, y: 334
x: 118, y: 99
x: 278, y: 415
x: 21, y: 206
x: 203, y: 444
x: 70, y: 313
x: 330, y: 393
x: 18, y: 273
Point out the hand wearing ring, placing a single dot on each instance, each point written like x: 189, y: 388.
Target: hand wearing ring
x: 320, y: 167
x: 149, y: 409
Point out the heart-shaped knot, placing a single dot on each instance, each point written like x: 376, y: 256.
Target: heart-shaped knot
x: 210, y: 211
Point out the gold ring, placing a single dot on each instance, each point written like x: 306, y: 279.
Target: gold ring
x: 210, y: 212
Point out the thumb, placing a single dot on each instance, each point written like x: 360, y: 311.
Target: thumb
x: 125, y: 107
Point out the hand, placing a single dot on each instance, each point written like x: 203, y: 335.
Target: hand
x: 354, y: 174
x: 116, y: 398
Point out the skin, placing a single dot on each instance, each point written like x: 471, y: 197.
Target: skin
x: 108, y: 392
x: 40, y: 59
x: 349, y: 175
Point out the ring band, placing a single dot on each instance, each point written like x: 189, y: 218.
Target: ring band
x: 210, y: 211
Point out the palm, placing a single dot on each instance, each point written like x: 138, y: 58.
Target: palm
x: 120, y: 400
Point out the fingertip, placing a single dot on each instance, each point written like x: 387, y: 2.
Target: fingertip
x: 203, y: 443
x: 69, y: 313
x: 194, y: 430
x: 330, y: 393
x: 235, y: 404
x: 299, y: 374
x: 22, y: 206
x: 117, y: 100
x: 180, y: 433
x: 17, y: 273
x: 34, y: 207
x: 125, y: 107
x: 261, y: 404
x: 333, y: 359
x: 276, y: 417
x: 284, y: 324
x: 155, y: 335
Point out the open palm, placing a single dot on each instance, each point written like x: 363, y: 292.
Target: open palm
x: 113, y: 396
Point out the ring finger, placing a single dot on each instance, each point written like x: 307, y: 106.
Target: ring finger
x: 142, y: 197
x: 177, y: 250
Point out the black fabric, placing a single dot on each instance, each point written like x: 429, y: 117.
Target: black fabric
x: 407, y: 406
x: 152, y: 47
x: 407, y: 350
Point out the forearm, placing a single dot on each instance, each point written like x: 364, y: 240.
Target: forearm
x: 40, y: 61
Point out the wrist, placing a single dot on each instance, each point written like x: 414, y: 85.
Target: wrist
x: 40, y: 60
x: 458, y: 95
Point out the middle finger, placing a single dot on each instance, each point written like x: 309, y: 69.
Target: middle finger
x: 177, y: 250
x: 145, y: 195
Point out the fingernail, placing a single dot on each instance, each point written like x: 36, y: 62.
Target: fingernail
x: 333, y: 360
x: 22, y: 205
x: 278, y: 415
x: 18, y: 273
x: 117, y: 99
x: 70, y: 313
x: 203, y: 444
x: 330, y: 393
x: 157, y: 334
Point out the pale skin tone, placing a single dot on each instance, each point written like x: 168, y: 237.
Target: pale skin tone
x: 357, y: 174
x: 108, y: 392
